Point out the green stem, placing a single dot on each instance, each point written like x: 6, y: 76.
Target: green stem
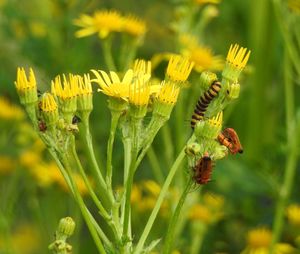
x: 97, y: 202
x: 83, y: 208
x: 106, y: 199
x: 172, y: 225
x: 198, y: 235
x: 108, y: 58
x: 153, y: 160
x: 291, y: 162
x: 114, y: 124
x: 160, y: 199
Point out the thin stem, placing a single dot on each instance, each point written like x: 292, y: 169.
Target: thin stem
x: 106, y: 199
x: 107, y: 53
x: 198, y: 235
x: 114, y: 124
x: 83, y: 208
x: 97, y: 202
x: 160, y: 199
x: 172, y: 224
x: 153, y: 160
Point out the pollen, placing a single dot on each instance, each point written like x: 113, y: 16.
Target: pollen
x: 179, y: 68
x: 48, y: 103
x: 238, y: 56
x: 134, y: 26
x: 66, y: 90
x: 24, y: 83
x: 168, y: 93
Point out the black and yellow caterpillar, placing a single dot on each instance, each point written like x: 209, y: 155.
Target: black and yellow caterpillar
x: 204, y: 101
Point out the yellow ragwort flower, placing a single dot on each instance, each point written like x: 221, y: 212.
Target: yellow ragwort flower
x: 48, y: 103
x: 214, y: 201
x: 9, y: 111
x: 139, y: 93
x: 293, y: 214
x: 23, y: 83
x: 111, y: 85
x: 199, y: 212
x: 134, y: 26
x: 66, y: 90
x: 102, y: 22
x: 179, y: 68
x: 142, y: 69
x: 259, y: 238
x: 216, y: 120
x: 168, y: 93
x: 84, y: 85
x: 238, y: 57
x: 151, y: 187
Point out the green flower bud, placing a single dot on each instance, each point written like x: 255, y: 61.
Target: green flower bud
x: 65, y: 228
x: 233, y: 91
x: 209, y: 129
x: 206, y: 79
x: 49, y: 109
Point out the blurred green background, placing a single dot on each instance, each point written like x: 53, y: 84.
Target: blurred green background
x: 40, y: 34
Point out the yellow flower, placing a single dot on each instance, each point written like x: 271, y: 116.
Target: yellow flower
x: 237, y: 57
x: 142, y: 69
x: 200, y: 2
x: 151, y: 187
x: 134, y: 26
x: 7, y: 164
x: 168, y: 93
x: 216, y: 120
x: 201, y: 213
x: 9, y: 111
x: 102, y: 22
x: 23, y: 83
x: 202, y: 56
x: 258, y: 241
x: 38, y: 29
x: 179, y: 68
x: 112, y: 85
x: 293, y: 214
x: 136, y: 194
x: 66, y: 90
x: 139, y: 93
x: 84, y: 85
x: 48, y: 103
x: 29, y: 159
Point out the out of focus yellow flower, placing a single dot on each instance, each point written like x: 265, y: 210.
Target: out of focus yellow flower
x: 202, y: 56
x: 7, y: 164
x: 134, y: 26
x: 200, y: 213
x: 24, y: 240
x: 151, y: 187
x: 259, y: 240
x: 201, y: 2
x: 9, y: 111
x: 102, y: 22
x: 294, y: 6
x: 136, y: 194
x: 293, y: 214
x: 38, y: 29
x: 29, y: 159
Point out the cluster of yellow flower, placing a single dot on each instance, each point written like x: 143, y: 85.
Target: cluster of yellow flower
x: 105, y: 22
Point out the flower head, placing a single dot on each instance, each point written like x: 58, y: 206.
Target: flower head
x: 294, y: 6
x: 139, y: 93
x: 26, y: 87
x: 179, y: 68
x: 142, y: 69
x: 67, y: 89
x: 102, y: 22
x: 168, y: 93
x: 134, y: 26
x: 9, y: 111
x: 84, y: 97
x: 236, y: 61
x: 48, y: 103
x: 111, y: 85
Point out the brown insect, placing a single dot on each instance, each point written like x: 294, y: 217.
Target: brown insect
x: 203, y: 169
x: 42, y: 126
x: 230, y: 139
